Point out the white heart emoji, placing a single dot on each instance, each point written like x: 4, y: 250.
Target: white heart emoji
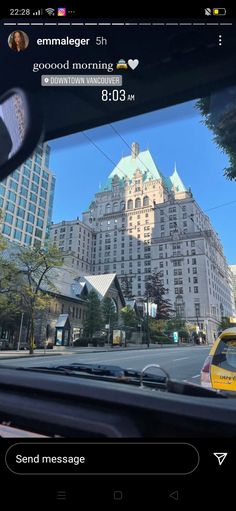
x: 133, y: 63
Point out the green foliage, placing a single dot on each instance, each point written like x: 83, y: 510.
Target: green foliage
x: 108, y: 310
x: 184, y: 334
x: 157, y: 326
x: 26, y: 282
x: 82, y: 342
x: 160, y: 339
x: 126, y: 286
x: 174, y: 324
x: 94, y: 320
x: 155, y: 292
x: 221, y: 120
x: 129, y: 317
x: 224, y: 323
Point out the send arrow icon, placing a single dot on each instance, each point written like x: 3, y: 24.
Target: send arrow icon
x: 220, y: 456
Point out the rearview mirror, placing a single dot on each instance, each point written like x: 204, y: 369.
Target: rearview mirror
x: 21, y: 129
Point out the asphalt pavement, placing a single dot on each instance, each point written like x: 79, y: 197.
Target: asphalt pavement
x: 182, y: 363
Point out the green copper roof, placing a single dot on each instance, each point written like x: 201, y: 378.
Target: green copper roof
x: 177, y: 182
x: 127, y: 166
x: 144, y: 162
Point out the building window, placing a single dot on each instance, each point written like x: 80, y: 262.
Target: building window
x: 42, y: 203
x: 38, y: 233
x: 34, y: 188
x: 138, y: 203
x: 41, y: 213
x: 20, y: 212
x: 146, y: 201
x: 17, y: 235
x: 29, y: 228
x: 122, y: 205
x: 195, y: 289
x: 130, y: 204
x: 6, y: 230
x: 30, y: 218
x: 194, y: 261
x: 44, y: 184
x: 13, y: 185
x: 9, y: 218
x: 43, y: 194
x: 178, y: 290
x: 24, y: 191
x: 25, y: 182
x: 33, y: 197
x: 27, y: 239
x: 115, y: 206
x: 2, y: 190
x: 197, y: 309
x: 19, y: 223
x: 108, y: 208
x: 31, y: 208
x: 35, y: 178
x: 12, y: 196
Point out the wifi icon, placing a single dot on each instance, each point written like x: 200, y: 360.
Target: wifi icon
x: 50, y: 11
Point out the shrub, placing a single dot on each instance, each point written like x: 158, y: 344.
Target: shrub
x: 82, y: 341
x: 184, y: 334
x: 161, y: 339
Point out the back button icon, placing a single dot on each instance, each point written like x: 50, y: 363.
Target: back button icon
x: 174, y: 495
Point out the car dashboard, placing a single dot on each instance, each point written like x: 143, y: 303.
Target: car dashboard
x: 67, y: 406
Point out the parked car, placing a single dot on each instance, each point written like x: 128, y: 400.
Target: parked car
x: 219, y: 368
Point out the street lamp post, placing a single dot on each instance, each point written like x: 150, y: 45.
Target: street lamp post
x: 148, y: 334
x: 20, y: 331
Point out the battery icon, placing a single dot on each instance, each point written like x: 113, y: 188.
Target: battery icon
x: 219, y: 11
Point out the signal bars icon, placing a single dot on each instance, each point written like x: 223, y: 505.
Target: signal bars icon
x: 37, y: 13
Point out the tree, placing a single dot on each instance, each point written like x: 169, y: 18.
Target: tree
x: 155, y: 292
x: 224, y: 323
x: 108, y: 309
x: 126, y: 286
x: 175, y: 324
x: 219, y: 116
x: 129, y: 317
x: 94, y: 319
x: 35, y: 267
x: 27, y: 281
x: 9, y: 298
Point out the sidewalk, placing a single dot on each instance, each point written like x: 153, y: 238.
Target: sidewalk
x: 69, y: 350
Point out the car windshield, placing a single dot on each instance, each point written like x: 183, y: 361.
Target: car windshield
x: 123, y: 236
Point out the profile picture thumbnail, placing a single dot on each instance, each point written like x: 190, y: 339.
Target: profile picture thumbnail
x: 18, y: 40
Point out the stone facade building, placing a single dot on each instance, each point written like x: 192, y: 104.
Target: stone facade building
x: 141, y: 221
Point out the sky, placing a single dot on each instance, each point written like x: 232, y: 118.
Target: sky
x: 175, y: 135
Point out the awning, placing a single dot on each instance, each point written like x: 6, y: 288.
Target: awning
x: 62, y: 320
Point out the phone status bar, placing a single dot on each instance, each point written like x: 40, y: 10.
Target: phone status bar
x: 194, y: 13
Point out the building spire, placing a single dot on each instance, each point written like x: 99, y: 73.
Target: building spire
x: 134, y: 150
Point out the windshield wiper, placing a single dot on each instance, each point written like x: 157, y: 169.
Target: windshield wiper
x: 132, y: 377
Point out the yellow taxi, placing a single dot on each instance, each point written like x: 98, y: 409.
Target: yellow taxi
x: 219, y: 368
x: 121, y: 64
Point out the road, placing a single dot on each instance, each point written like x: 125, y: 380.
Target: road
x: 183, y: 363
